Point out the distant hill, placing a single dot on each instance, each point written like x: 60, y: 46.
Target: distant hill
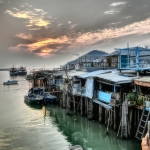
x: 93, y: 53
x: 96, y: 53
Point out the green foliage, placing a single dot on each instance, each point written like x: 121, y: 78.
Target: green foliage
x: 131, y: 96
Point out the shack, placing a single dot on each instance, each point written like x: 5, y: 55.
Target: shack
x: 110, y: 98
x: 142, y: 104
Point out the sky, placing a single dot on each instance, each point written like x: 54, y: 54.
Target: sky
x: 37, y: 33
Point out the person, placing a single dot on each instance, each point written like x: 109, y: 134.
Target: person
x: 144, y: 143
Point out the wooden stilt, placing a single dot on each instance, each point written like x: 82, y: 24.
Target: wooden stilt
x: 114, y: 117
x: 85, y: 105
x: 108, y: 122
x: 100, y: 113
x: 81, y: 107
x: 106, y: 116
x: 68, y: 104
x: 74, y: 102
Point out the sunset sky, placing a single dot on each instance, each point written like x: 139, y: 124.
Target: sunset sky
x: 49, y: 32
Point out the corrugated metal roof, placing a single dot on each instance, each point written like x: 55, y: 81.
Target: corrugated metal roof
x: 74, y: 73
x: 116, y: 78
x: 93, y: 73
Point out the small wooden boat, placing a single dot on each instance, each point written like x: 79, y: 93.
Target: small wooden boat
x: 10, y: 82
x: 33, y: 99
x: 29, y: 77
x: 48, y: 97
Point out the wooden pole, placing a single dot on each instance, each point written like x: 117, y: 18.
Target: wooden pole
x: 100, y: 113
x: 81, y: 107
x: 74, y: 102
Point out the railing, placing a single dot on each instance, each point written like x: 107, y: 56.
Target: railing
x: 96, y: 64
x: 142, y: 101
x: 146, y: 100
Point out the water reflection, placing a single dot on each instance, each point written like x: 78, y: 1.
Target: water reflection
x: 89, y: 134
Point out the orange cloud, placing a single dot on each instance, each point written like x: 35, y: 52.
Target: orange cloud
x: 37, y: 17
x: 47, y: 42
x: 88, y: 38
x: 44, y: 47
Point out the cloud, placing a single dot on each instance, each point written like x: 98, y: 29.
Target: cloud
x: 114, y: 23
x: 1, y: 1
x: 69, y: 22
x: 89, y: 38
x: 24, y: 36
x: 28, y: 5
x: 59, y: 24
x: 117, y: 4
x: 47, y: 46
x: 128, y: 17
x: 35, y: 17
x: 73, y: 26
x: 55, y: 45
x: 35, y: 29
x: 111, y: 12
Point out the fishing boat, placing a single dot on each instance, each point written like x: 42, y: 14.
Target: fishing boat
x: 22, y: 71
x: 48, y: 97
x: 33, y: 99
x: 10, y: 82
x: 29, y: 77
x: 13, y: 71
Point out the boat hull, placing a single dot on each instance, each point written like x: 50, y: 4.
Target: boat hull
x: 32, y: 101
x: 22, y: 73
x: 14, y: 73
x: 10, y: 82
x: 50, y: 98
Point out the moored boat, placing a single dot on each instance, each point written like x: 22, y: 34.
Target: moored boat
x: 33, y: 99
x: 22, y: 71
x: 13, y: 71
x: 48, y: 97
x: 10, y: 82
x: 29, y: 77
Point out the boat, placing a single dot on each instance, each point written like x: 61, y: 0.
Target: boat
x: 10, y: 82
x: 29, y: 77
x: 48, y: 97
x: 13, y: 71
x: 39, y: 90
x: 22, y: 71
x: 33, y: 99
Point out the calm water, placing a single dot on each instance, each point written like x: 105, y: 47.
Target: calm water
x: 30, y: 127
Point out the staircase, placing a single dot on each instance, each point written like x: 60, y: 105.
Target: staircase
x: 143, y: 124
